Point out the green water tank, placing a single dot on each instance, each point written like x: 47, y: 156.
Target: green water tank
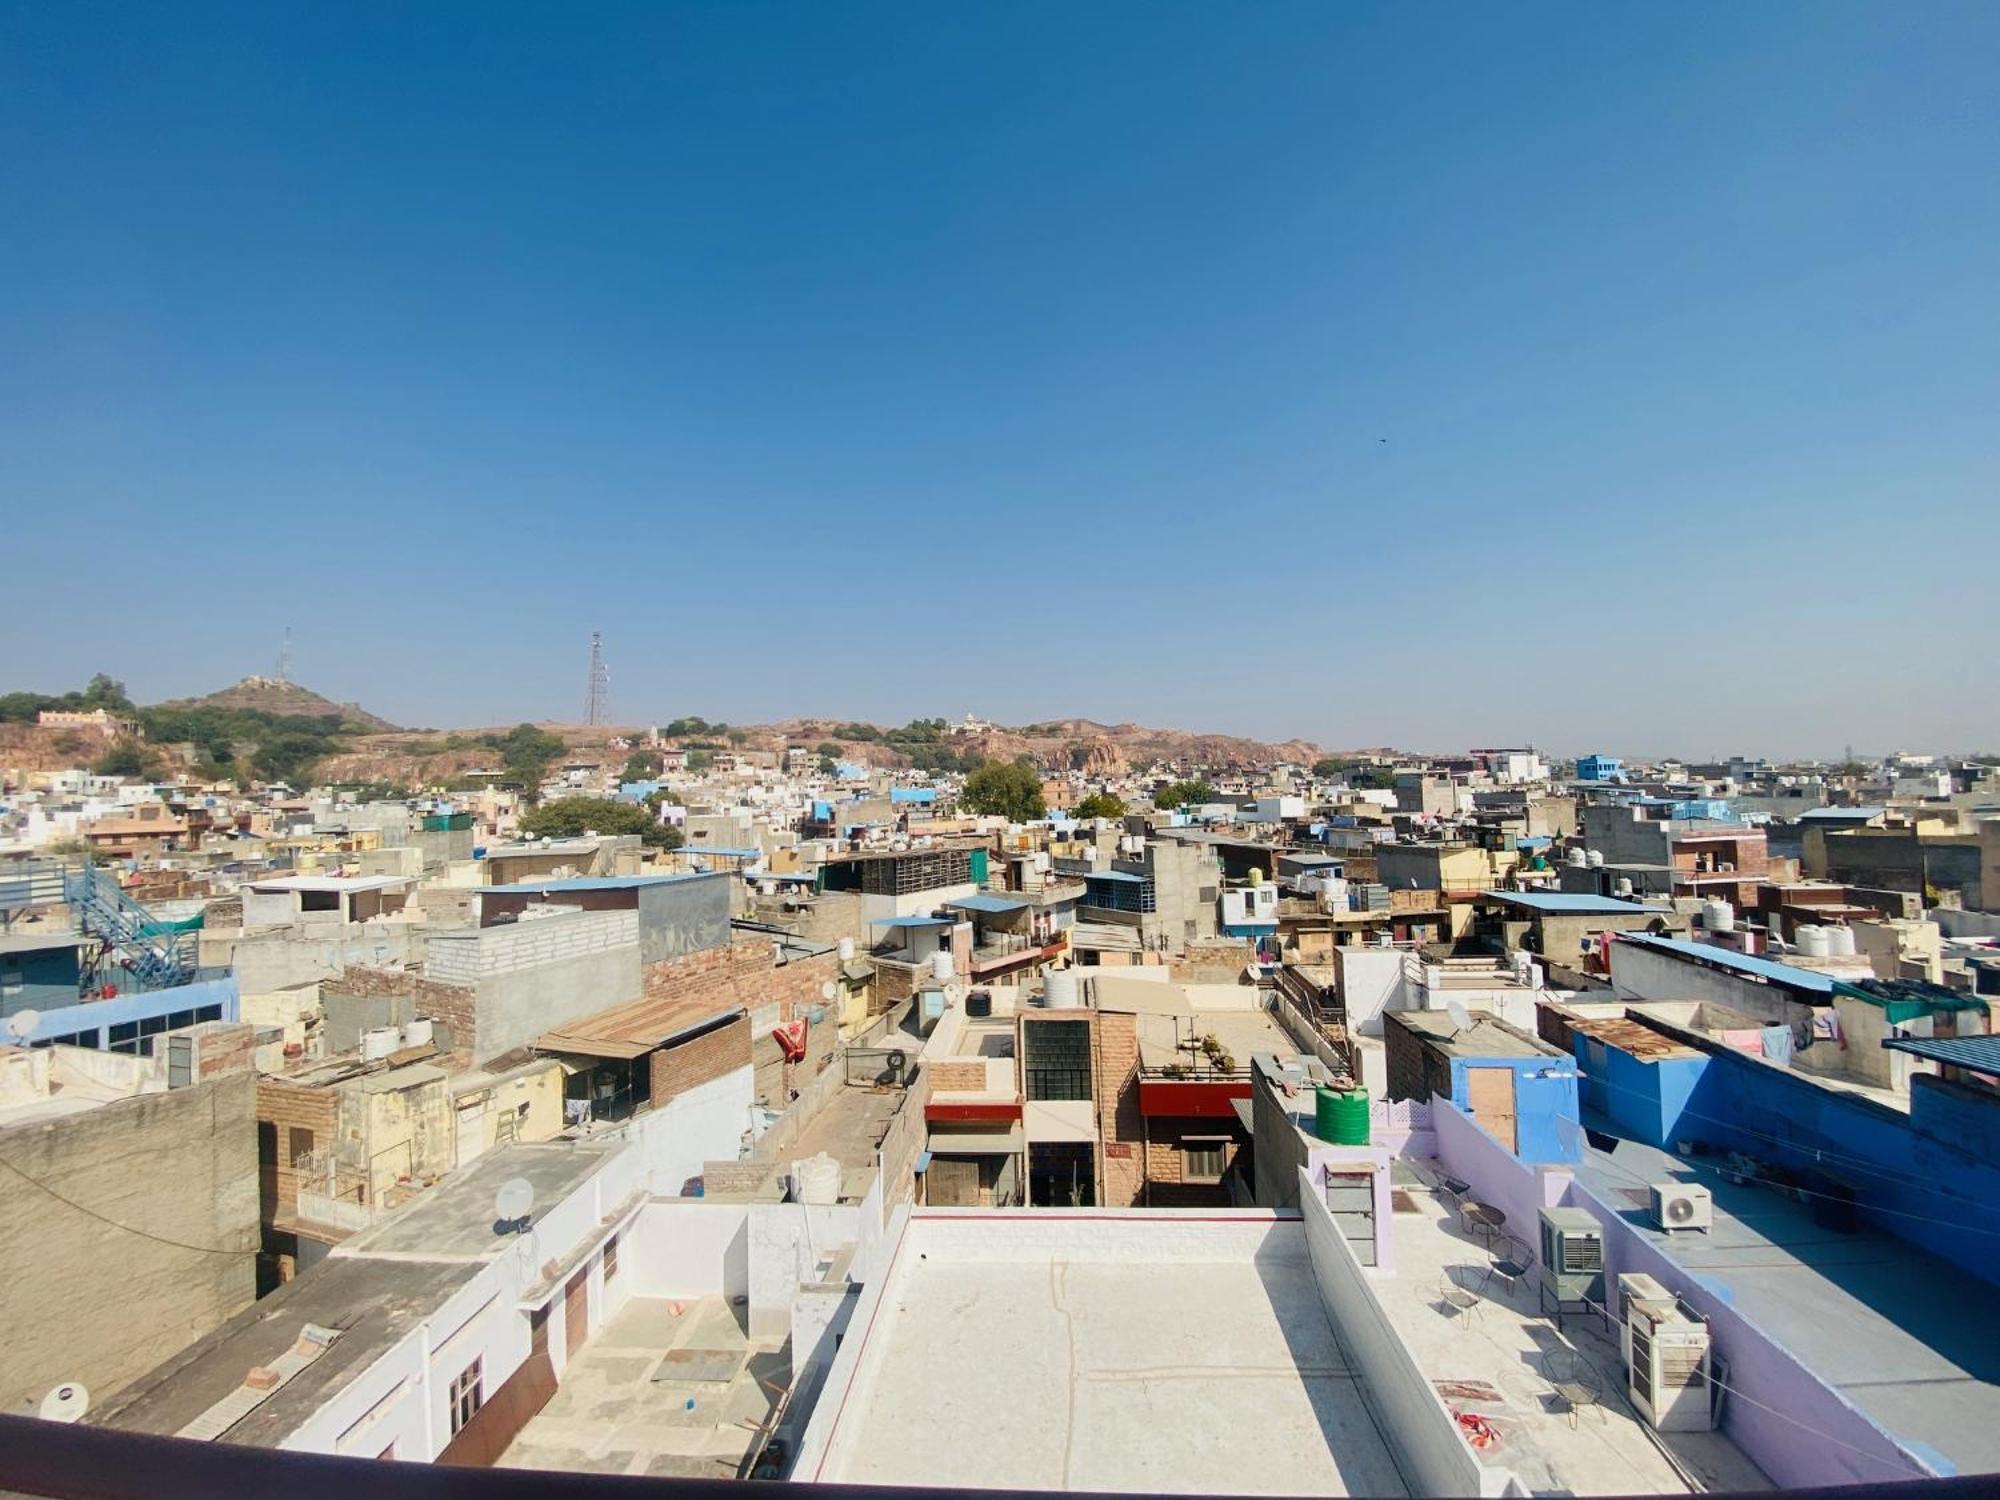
x: 1341, y: 1117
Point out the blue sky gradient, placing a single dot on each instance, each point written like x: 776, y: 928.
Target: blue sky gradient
x: 1423, y: 374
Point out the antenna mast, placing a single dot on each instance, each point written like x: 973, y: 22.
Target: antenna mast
x: 597, y: 696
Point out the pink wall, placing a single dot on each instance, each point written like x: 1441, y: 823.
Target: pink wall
x: 1497, y: 1176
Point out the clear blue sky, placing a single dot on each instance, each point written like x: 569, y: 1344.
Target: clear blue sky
x: 1036, y: 360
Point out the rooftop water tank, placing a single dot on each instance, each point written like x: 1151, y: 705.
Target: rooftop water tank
x: 1341, y: 1116
x: 1062, y: 990
x: 817, y: 1179
x: 379, y: 1041
x: 418, y: 1032
x: 1624, y: 886
x: 1840, y: 941
x: 1578, y: 858
x: 1718, y: 916
x: 1594, y: 858
x: 845, y: 947
x: 1813, y: 941
x: 941, y: 964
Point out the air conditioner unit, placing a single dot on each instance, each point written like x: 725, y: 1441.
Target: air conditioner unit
x: 1678, y: 1205
x: 1668, y: 1376
x: 1636, y: 1286
x: 1572, y: 1256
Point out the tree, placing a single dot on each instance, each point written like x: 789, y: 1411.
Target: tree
x: 1327, y: 769
x: 829, y: 750
x: 700, y: 760
x: 641, y: 765
x: 1010, y: 789
x: 105, y: 691
x: 1181, y: 793
x: 525, y: 753
x: 828, y: 766
x: 1100, y: 805
x: 568, y: 817
x: 737, y: 737
x: 125, y: 759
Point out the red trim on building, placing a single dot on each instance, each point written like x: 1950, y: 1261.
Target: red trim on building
x: 971, y: 1112
x: 1191, y: 1100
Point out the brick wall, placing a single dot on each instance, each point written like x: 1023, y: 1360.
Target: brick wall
x: 707, y: 1057
x: 951, y: 1077
x: 283, y: 1107
x: 1116, y: 1064
x: 453, y: 1006
x: 743, y: 973
x: 466, y: 957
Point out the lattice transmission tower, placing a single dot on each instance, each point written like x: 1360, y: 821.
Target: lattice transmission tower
x: 597, y: 697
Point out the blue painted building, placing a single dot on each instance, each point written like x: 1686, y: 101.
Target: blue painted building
x: 127, y: 1023
x: 1600, y: 768
x: 39, y: 971
x: 1521, y: 1090
x: 1930, y: 1175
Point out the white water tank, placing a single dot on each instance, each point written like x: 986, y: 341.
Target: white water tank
x: 1594, y: 858
x: 418, y: 1033
x: 817, y: 1179
x: 379, y: 1041
x: 941, y: 964
x: 1813, y: 942
x: 845, y: 947
x: 1718, y: 916
x: 1840, y: 941
x: 1577, y: 858
x: 1063, y: 990
x: 1624, y: 886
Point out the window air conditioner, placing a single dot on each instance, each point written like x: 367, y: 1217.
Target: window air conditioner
x: 1679, y: 1205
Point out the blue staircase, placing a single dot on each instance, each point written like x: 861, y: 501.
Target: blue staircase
x: 159, y: 955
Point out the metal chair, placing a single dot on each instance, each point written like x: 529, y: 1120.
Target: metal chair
x: 1575, y: 1381
x: 1456, y: 1299
x: 1512, y: 1262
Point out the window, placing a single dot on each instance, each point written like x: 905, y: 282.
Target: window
x: 1058, y: 1060
x: 299, y: 1143
x: 467, y: 1396
x: 1203, y: 1158
x: 611, y: 1260
x: 12, y: 981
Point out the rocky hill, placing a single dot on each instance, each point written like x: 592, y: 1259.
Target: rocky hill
x: 272, y: 695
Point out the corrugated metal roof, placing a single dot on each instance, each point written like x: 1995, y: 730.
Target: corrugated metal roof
x: 1979, y: 1054
x: 911, y: 922
x: 1742, y: 963
x: 1570, y: 903
x: 1115, y: 875
x: 1832, y: 813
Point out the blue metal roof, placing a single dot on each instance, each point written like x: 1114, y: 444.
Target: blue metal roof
x: 1742, y: 963
x: 1981, y: 1054
x: 1115, y: 875
x: 988, y: 904
x: 1861, y: 813
x: 911, y: 922
x: 1570, y: 903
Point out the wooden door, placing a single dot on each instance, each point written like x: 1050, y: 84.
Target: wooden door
x: 576, y: 1311
x: 1490, y: 1091
x: 952, y: 1184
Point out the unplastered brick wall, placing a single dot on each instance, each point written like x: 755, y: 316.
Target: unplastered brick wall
x: 702, y: 1060
x: 470, y: 956
x: 452, y: 1006
x: 955, y: 1076
x: 1117, y: 1082
x: 743, y: 973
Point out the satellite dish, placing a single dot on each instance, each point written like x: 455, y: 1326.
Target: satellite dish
x: 66, y: 1403
x: 1461, y: 1018
x: 827, y: 991
x: 513, y: 1204
x: 21, y: 1025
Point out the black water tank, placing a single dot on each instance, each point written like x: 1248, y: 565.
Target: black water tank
x: 978, y: 1004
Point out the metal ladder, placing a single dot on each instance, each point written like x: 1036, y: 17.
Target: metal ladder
x: 159, y: 957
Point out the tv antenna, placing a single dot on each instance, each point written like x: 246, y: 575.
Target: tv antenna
x: 597, y: 696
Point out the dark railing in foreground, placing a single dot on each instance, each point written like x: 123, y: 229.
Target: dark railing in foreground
x: 62, y: 1462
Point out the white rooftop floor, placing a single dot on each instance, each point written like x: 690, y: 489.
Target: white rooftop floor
x: 1167, y: 1373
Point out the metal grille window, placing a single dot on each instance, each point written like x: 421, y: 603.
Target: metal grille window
x: 611, y: 1260
x: 467, y: 1395
x: 1058, y: 1060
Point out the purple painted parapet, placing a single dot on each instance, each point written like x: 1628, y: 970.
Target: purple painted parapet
x: 1777, y: 1411
x: 1497, y: 1176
